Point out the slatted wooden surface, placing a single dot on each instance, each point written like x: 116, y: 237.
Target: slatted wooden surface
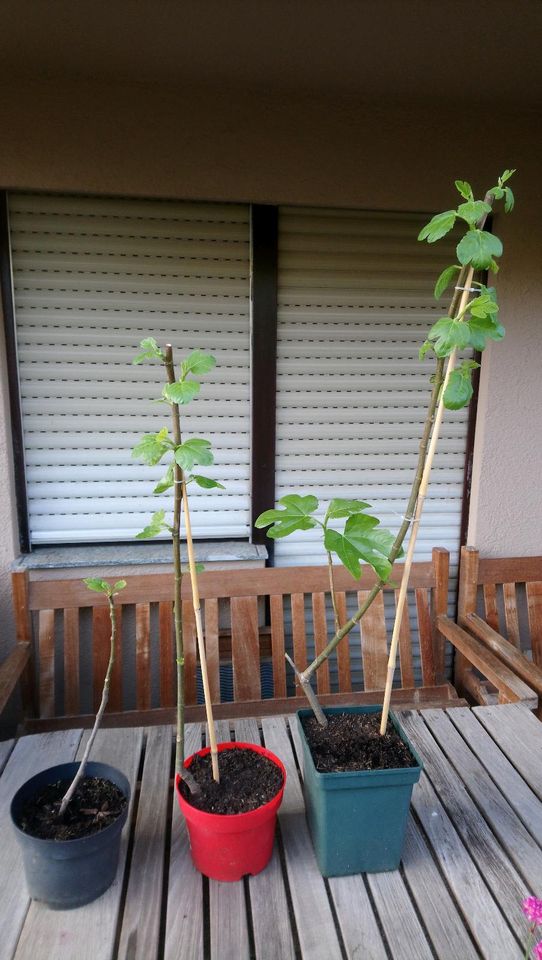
x: 473, y: 852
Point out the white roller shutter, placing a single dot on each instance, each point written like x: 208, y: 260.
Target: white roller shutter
x: 355, y: 304
x: 92, y: 277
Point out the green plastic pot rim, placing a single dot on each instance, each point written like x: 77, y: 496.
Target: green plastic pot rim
x: 406, y: 774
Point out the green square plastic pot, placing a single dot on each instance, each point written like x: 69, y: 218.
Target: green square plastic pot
x: 357, y: 819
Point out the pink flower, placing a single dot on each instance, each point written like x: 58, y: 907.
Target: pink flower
x: 538, y: 950
x: 532, y: 908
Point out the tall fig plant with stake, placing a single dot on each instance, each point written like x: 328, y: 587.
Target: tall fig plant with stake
x: 471, y: 321
x: 183, y: 457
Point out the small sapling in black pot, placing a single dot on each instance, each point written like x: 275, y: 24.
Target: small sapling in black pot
x: 69, y: 818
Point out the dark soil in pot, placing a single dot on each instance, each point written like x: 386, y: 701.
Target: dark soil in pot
x: 95, y: 805
x: 247, y: 781
x: 352, y: 741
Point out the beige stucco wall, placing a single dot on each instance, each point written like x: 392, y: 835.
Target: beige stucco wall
x: 254, y: 146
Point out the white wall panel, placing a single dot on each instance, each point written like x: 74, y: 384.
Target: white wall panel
x: 355, y: 304
x: 92, y: 277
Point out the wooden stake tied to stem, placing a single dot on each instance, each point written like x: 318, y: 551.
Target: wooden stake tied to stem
x: 199, y: 634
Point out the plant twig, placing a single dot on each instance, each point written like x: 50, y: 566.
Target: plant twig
x: 105, y: 697
x: 309, y: 693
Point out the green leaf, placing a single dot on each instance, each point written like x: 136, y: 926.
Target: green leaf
x: 478, y: 249
x: 509, y: 201
x: 152, y: 447
x: 345, y: 508
x: 484, y: 306
x: 424, y: 349
x: 99, y: 586
x: 197, y: 363
x: 482, y: 329
x: 207, y: 483
x: 150, y: 351
x: 119, y: 585
x: 166, y: 482
x: 194, y: 451
x: 200, y: 567
x: 473, y: 210
x: 155, y: 527
x: 465, y: 189
x: 459, y: 390
x: 181, y: 392
x: 438, y: 226
x: 445, y: 279
x: 506, y: 176
x: 448, y: 334
x: 295, y: 515
x: 361, y: 541
x: 497, y: 192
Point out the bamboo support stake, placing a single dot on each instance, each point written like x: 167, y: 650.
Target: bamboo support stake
x: 417, y: 517
x: 199, y: 634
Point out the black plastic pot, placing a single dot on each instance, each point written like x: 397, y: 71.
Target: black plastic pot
x: 69, y: 873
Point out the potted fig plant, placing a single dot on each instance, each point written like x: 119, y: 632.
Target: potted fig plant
x: 359, y: 768
x: 231, y: 834
x: 69, y: 818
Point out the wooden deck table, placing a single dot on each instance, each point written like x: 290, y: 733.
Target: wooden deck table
x: 473, y: 852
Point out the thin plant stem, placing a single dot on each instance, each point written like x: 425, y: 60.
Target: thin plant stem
x: 398, y: 542
x: 176, y: 545
x: 105, y: 697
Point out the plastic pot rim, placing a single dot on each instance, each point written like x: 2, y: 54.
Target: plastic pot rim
x: 233, y: 818
x: 382, y: 772
x: 58, y: 770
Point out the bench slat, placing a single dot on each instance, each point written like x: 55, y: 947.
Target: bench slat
x: 490, y: 604
x: 245, y: 648
x: 320, y: 640
x: 71, y: 662
x: 374, y: 643
x: 534, y: 608
x: 189, y: 646
x: 167, y: 654
x: 426, y: 638
x: 276, y: 609
x: 46, y: 633
x: 212, y: 648
x: 299, y: 634
x: 511, y: 612
x: 405, y: 647
x: 143, y: 658
x: 343, y: 649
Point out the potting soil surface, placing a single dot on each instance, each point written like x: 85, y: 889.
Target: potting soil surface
x: 247, y: 781
x: 95, y: 805
x: 352, y: 741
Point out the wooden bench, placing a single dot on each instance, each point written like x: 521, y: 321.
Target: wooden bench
x: 499, y: 620
x: 251, y: 617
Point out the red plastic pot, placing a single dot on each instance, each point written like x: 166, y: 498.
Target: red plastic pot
x: 228, y: 846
